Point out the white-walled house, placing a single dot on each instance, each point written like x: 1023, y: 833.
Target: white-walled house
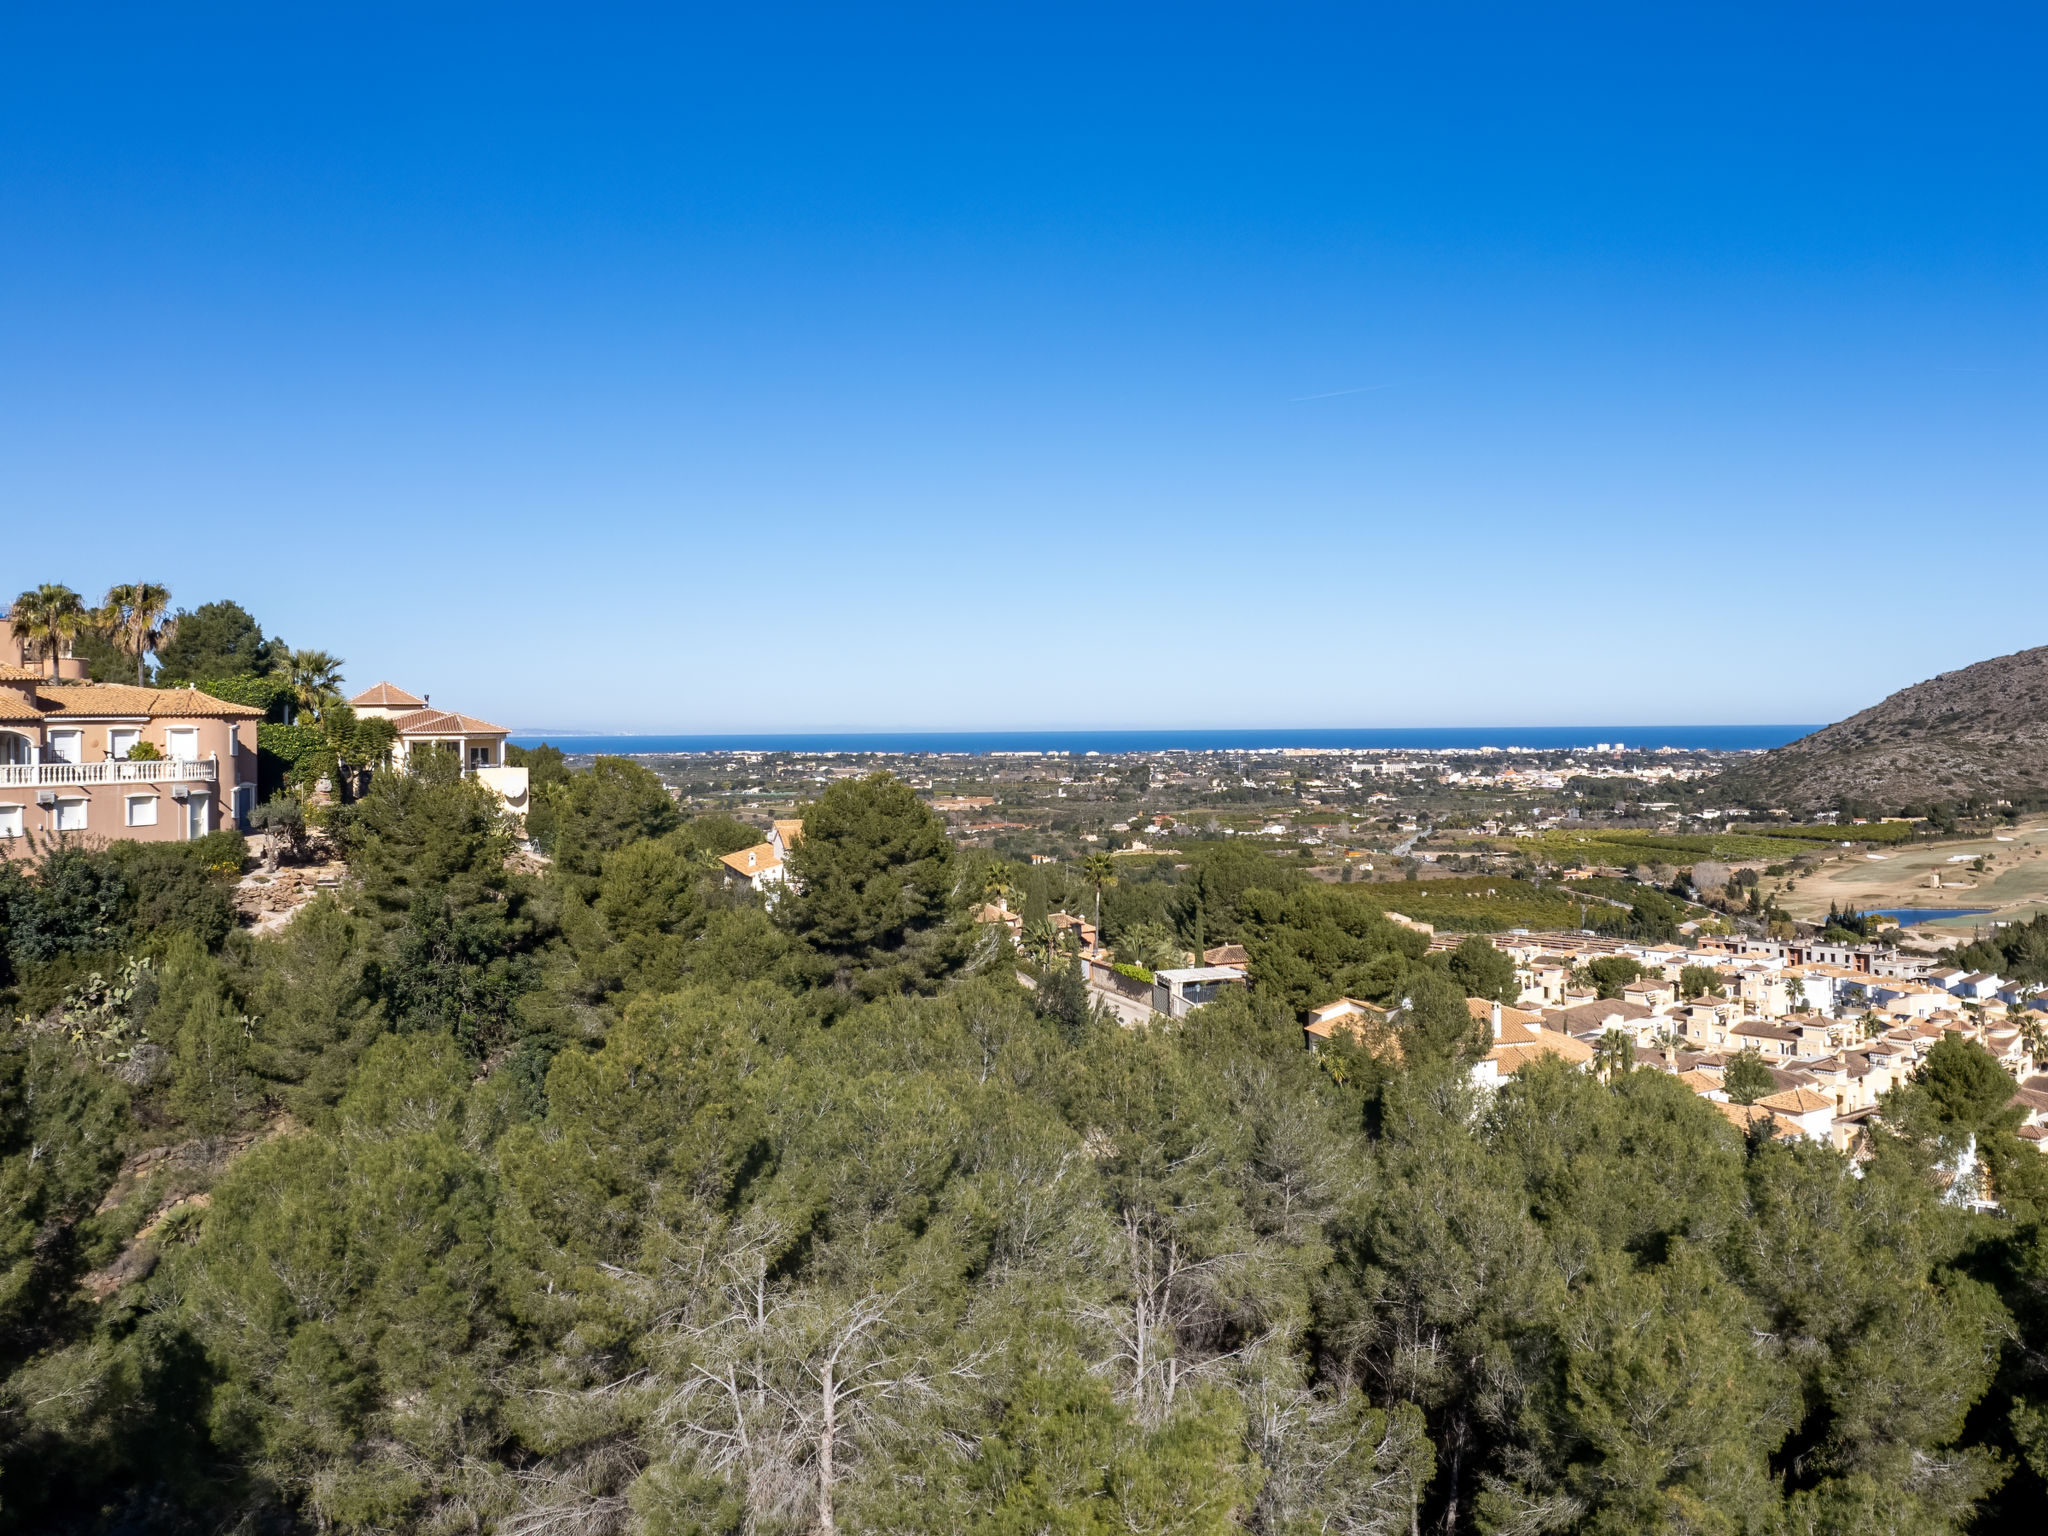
x: 477, y: 744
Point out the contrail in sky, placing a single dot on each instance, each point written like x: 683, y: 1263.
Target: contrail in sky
x: 1333, y: 394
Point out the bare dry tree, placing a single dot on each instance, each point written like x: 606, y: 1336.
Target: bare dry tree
x: 784, y: 1389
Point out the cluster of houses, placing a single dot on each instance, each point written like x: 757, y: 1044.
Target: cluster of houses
x: 112, y: 761
x: 1837, y: 1026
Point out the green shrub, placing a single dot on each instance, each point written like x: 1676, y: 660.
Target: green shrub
x: 287, y: 754
x: 272, y: 695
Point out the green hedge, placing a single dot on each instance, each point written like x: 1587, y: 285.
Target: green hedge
x: 269, y: 694
x: 1871, y: 832
x: 284, y: 753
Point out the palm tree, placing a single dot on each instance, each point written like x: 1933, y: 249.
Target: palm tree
x: 315, y: 677
x: 1098, y: 869
x: 1615, y: 1055
x: 47, y: 619
x: 998, y: 884
x: 132, y: 617
x: 2033, y: 1035
x: 1042, y: 940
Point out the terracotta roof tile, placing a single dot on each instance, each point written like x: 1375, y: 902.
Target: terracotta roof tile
x: 1482, y: 1008
x: 1742, y: 1116
x: 1513, y: 1056
x: 125, y: 700
x: 443, y: 722
x: 751, y: 862
x: 1346, y: 1013
x: 1797, y: 1101
x: 386, y: 696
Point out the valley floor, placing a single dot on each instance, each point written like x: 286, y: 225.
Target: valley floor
x: 2014, y: 887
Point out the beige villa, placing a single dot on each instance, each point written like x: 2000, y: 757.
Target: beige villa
x: 765, y: 865
x: 477, y: 744
x: 65, y: 763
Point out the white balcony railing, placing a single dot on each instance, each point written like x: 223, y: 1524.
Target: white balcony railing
x: 120, y: 771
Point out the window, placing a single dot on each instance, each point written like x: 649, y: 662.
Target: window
x: 142, y: 810
x: 71, y: 815
x: 67, y: 746
x: 12, y: 822
x: 234, y: 739
x: 120, y: 739
x: 182, y: 743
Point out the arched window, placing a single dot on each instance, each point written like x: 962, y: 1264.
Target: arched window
x: 15, y: 748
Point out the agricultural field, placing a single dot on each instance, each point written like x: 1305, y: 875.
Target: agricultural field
x: 1490, y: 904
x: 1628, y: 848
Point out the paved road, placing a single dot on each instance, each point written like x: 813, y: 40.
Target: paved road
x: 1129, y: 1010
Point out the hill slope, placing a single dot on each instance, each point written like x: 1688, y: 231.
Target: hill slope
x: 1982, y: 731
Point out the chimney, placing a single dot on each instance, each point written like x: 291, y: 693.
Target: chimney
x: 1496, y: 1023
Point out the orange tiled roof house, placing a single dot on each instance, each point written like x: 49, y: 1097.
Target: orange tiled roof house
x: 477, y: 744
x: 65, y: 764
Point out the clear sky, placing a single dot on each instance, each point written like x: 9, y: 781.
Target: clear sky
x: 768, y: 366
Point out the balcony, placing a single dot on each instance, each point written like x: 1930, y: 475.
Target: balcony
x: 63, y: 775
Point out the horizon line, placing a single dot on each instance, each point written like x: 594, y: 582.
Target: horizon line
x: 1155, y: 730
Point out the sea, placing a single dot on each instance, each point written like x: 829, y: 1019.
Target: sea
x: 1545, y: 738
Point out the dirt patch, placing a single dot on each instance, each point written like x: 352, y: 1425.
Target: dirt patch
x: 268, y: 899
x: 183, y: 1173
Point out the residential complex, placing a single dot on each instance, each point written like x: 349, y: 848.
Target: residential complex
x: 115, y: 761
x: 1836, y: 1034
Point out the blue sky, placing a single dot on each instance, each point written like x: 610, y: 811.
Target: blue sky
x: 982, y: 366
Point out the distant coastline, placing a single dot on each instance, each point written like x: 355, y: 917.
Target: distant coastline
x: 1544, y: 738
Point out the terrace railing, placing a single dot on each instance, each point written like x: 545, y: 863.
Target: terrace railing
x: 121, y: 771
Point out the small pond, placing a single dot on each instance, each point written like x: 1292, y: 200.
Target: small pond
x: 1908, y: 916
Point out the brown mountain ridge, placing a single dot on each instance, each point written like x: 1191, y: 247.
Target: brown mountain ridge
x: 1980, y: 733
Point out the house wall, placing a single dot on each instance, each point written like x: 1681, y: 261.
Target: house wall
x: 14, y: 652
x: 466, y: 745
x: 231, y: 745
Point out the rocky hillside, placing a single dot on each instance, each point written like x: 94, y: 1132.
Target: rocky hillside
x: 1980, y: 732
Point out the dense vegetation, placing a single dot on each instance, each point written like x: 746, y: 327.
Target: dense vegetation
x: 2015, y: 951
x: 609, y: 1199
